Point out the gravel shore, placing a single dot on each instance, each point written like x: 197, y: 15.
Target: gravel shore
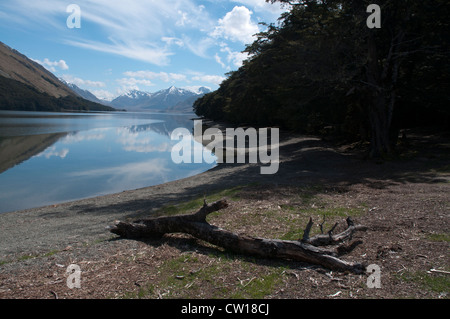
x: 39, y: 230
x: 403, y: 202
x: 303, y: 160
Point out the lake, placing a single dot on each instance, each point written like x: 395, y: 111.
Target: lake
x: 50, y: 158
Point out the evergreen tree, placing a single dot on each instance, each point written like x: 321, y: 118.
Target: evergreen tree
x: 324, y: 66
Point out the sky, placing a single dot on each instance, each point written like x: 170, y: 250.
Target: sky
x: 112, y: 46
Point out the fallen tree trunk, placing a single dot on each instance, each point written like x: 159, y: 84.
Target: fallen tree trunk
x: 305, y: 250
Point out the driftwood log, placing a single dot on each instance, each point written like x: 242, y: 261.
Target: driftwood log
x: 307, y: 249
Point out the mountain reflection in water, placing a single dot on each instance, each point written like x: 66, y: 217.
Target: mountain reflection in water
x: 52, y: 158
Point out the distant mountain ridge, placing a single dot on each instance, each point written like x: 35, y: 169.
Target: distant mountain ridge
x: 172, y: 99
x: 85, y: 94
x: 25, y: 85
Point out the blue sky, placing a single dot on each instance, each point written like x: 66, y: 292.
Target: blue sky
x: 136, y: 44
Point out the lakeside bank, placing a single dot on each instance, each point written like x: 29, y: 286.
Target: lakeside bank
x: 403, y: 202
x: 41, y: 229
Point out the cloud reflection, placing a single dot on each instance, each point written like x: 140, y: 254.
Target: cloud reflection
x: 78, y: 137
x: 51, y: 151
x: 128, y: 176
x: 131, y: 169
x: 133, y: 140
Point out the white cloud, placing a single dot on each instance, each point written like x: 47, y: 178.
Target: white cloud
x: 183, y: 18
x: 104, y: 95
x: 53, y: 152
x: 173, y: 40
x: 53, y: 65
x: 237, y: 26
x: 196, y: 88
x: 199, y: 46
x: 177, y: 77
x: 37, y: 14
x: 132, y: 83
x: 261, y: 6
x: 219, y: 60
x: 214, y: 79
x: 134, y: 50
x: 163, y: 76
x: 235, y: 57
x: 135, y: 29
x: 80, y: 82
x: 149, y: 31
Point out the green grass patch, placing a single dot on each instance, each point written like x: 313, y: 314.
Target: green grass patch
x: 325, y: 216
x: 47, y: 254
x: 221, y: 276
x: 195, y: 204
x: 444, y: 237
x: 259, y: 287
x: 26, y: 257
x: 439, y: 283
x: 309, y: 193
x: 334, y: 212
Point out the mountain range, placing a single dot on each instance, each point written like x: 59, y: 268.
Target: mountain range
x: 172, y: 99
x: 27, y: 86
x: 85, y: 94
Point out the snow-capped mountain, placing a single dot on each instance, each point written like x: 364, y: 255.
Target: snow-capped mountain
x: 132, y: 100
x: 135, y: 94
x: 171, y: 99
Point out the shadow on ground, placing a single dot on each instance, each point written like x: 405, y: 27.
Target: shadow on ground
x: 305, y: 161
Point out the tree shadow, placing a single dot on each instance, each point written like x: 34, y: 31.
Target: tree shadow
x: 304, y: 161
x: 307, y: 162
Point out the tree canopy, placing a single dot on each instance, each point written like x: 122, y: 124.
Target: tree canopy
x: 322, y: 66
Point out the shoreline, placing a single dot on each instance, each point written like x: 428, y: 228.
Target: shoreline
x: 304, y: 160
x: 76, y: 200
x: 59, y: 225
x: 403, y: 203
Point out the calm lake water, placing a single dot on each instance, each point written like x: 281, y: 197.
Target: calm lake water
x: 49, y: 158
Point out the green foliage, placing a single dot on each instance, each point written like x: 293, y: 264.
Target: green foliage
x: 312, y: 71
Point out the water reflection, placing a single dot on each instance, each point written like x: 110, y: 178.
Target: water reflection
x: 111, y: 154
x: 17, y: 149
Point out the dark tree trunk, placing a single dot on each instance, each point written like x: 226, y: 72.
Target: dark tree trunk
x: 382, y: 75
x: 380, y: 128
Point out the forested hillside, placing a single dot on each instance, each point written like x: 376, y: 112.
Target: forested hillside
x: 322, y: 66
